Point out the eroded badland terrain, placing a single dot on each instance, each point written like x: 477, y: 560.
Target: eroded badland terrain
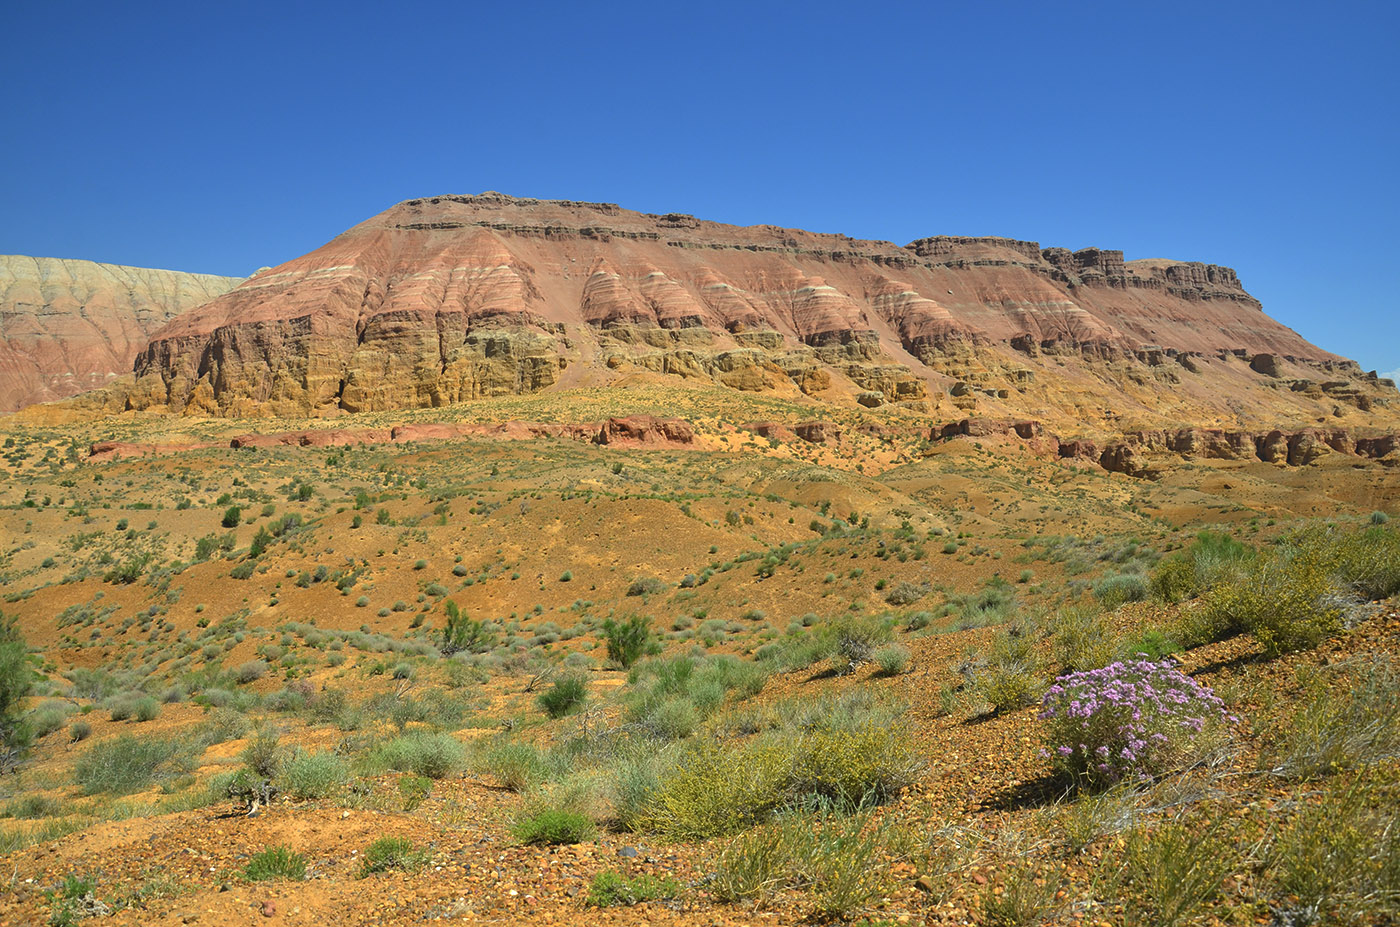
x: 517, y: 561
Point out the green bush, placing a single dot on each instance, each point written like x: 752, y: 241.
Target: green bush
x: 906, y: 593
x: 566, y: 696
x: 646, y: 585
x: 1113, y: 591
x: 1080, y: 638
x: 1212, y: 558
x: 634, y: 782
x: 388, y: 853
x: 425, y: 754
x: 33, y: 807
x: 1286, y: 600
x: 232, y: 516
x: 276, y: 863
x: 1021, y: 900
x: 48, y: 717
x: 840, y: 863
x: 716, y: 791
x: 16, y: 678
x: 124, y: 765
x: 1349, y: 717
x: 552, y: 827
x: 627, y: 640
x: 1150, y: 643
x: 893, y: 659
x: 464, y: 635
x: 853, y: 766
x: 1369, y: 562
x: 855, y: 638
x: 514, y: 764
x: 264, y: 753
x: 1175, y: 870
x: 669, y: 697
x: 1338, y: 861
x: 611, y: 889
x: 306, y: 775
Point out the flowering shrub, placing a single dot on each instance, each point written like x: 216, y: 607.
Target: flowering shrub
x: 1130, y: 720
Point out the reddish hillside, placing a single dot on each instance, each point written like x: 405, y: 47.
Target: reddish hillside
x: 455, y: 297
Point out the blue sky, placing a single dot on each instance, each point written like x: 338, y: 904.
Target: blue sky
x: 220, y: 138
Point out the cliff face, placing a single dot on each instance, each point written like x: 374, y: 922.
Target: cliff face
x: 70, y: 326
x: 450, y: 298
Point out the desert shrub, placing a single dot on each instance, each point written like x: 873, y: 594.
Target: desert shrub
x: 1008, y: 678
x: 250, y: 671
x: 893, y: 659
x: 425, y: 754
x: 1129, y: 720
x: 306, y: 775
x: 669, y: 697
x: 1149, y: 644
x: 462, y: 634
x: 1368, y: 561
x: 16, y: 679
x: 633, y: 783
x: 854, y: 765
x: 646, y: 585
x: 801, y: 651
x: 854, y: 638
x: 514, y: 764
x: 1339, y: 860
x: 146, y: 709
x: 388, y: 853
x: 221, y: 725
x: 232, y: 516
x: 1349, y: 717
x: 547, y: 826
x: 79, y: 731
x: 1175, y: 869
x: 906, y: 593
x: 627, y: 640
x: 122, y: 706
x: 1080, y: 639
x: 1113, y: 591
x: 124, y: 765
x: 715, y: 791
x: 992, y: 605
x: 1021, y: 900
x: 1284, y: 599
x: 48, y: 717
x: 264, y: 753
x: 1211, y: 558
x: 275, y: 863
x: 33, y: 807
x: 564, y: 697
x: 838, y: 862
x: 610, y: 889
x: 1006, y: 686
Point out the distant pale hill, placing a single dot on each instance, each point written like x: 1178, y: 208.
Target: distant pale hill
x: 69, y: 326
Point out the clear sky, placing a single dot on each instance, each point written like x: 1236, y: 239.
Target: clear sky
x: 224, y: 137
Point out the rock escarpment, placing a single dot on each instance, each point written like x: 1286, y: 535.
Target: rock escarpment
x: 452, y: 298
x: 69, y: 326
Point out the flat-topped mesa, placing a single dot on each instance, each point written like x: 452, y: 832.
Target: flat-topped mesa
x: 450, y: 298
x: 958, y: 248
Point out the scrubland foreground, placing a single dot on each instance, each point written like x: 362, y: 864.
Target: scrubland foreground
x: 759, y: 681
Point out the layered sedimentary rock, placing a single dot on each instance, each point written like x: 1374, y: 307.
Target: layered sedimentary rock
x: 69, y: 326
x: 451, y: 298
